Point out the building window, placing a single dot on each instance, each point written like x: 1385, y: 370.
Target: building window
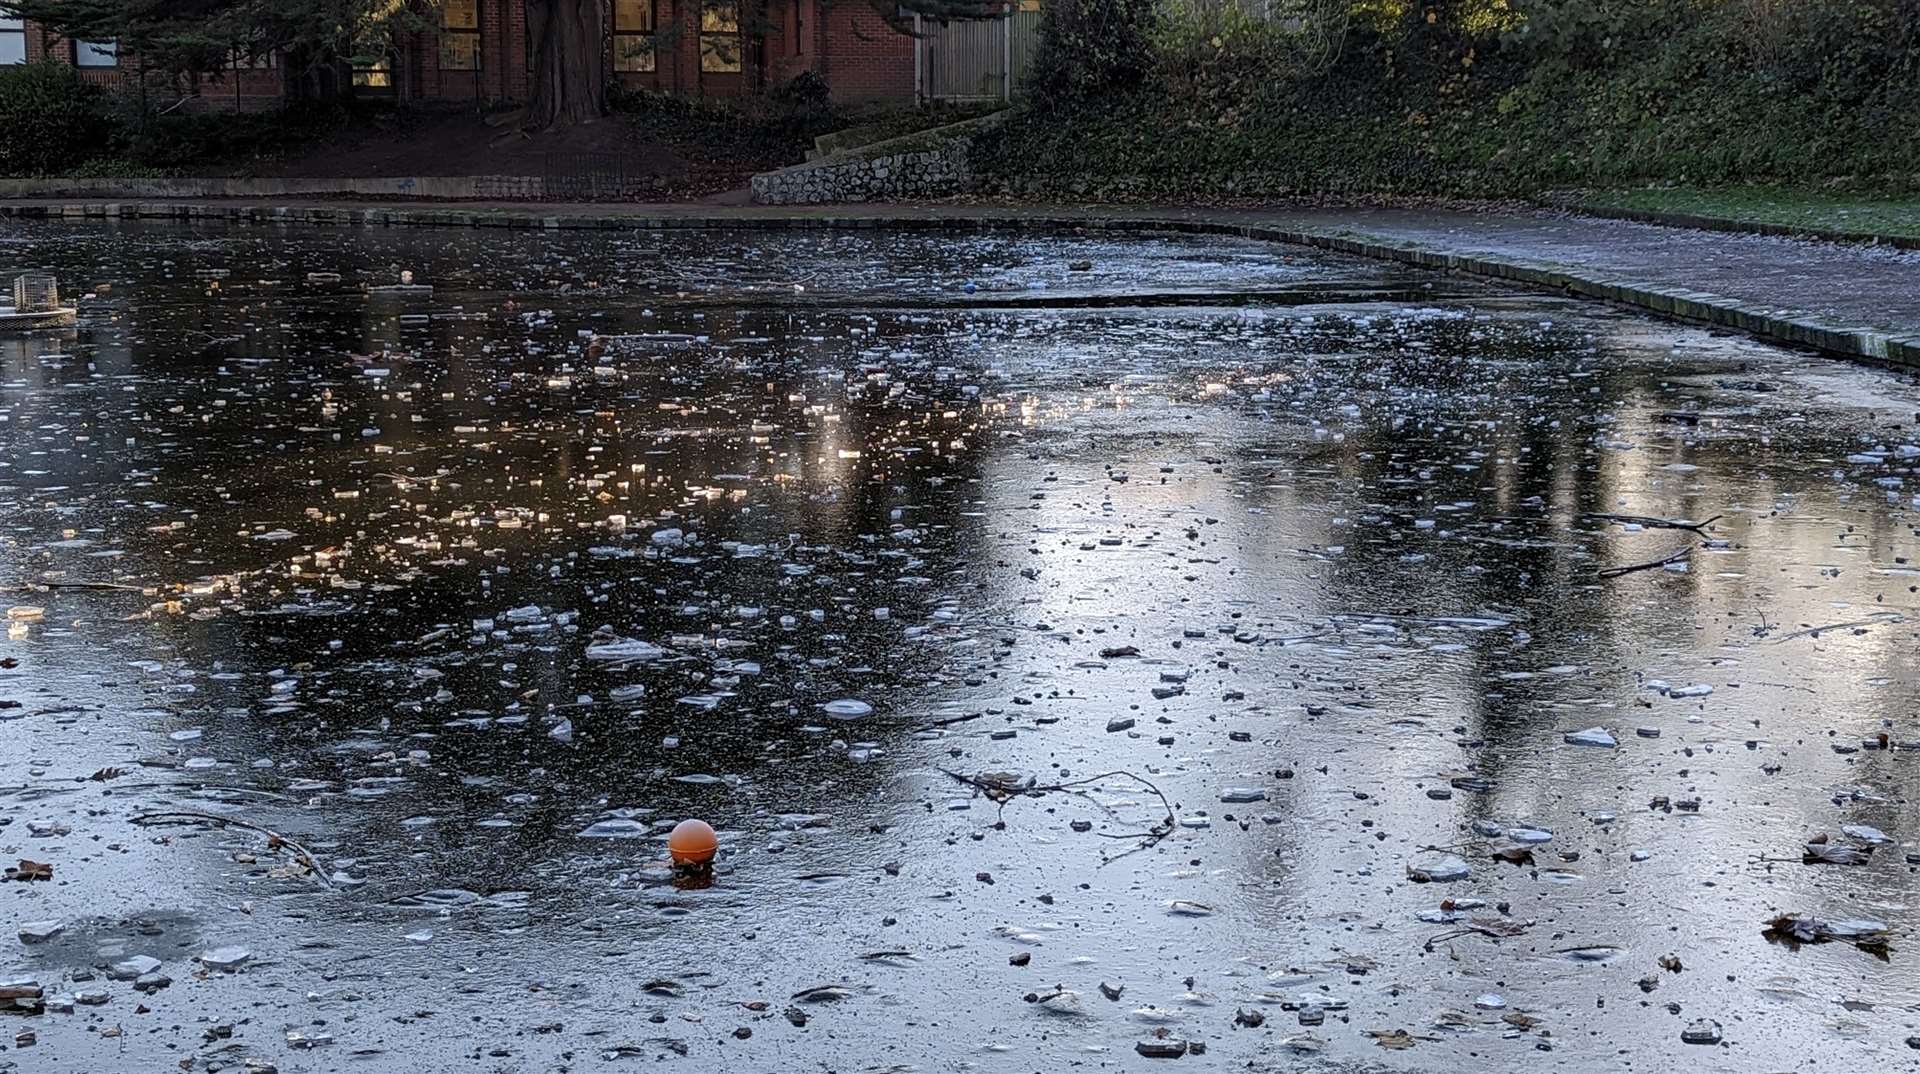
x: 13, y: 39
x: 96, y: 54
x: 719, y: 37
x: 633, y: 35
x: 459, y: 35
x: 373, y: 72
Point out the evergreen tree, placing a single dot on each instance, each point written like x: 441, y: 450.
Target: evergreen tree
x: 200, y: 37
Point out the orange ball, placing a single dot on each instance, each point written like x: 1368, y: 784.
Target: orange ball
x: 692, y: 842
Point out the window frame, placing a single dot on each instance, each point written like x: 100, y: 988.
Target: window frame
x: 634, y: 50
x: 726, y: 35
x: 364, y: 75
x: 96, y: 55
x: 472, y: 34
x: 18, y: 29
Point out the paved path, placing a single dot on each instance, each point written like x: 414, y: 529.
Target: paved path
x: 1852, y: 284
x: 1848, y: 299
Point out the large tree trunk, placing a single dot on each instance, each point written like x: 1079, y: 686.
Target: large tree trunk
x: 312, y: 79
x: 569, y: 78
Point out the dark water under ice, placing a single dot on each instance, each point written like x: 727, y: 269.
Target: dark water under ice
x: 474, y: 593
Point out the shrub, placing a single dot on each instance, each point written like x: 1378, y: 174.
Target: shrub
x: 1482, y: 97
x: 50, y: 118
x: 187, y: 139
x: 805, y: 94
x: 767, y: 129
x: 1090, y: 49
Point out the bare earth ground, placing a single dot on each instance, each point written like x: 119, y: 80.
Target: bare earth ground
x: 465, y: 144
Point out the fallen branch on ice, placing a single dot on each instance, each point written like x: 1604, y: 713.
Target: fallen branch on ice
x: 274, y: 839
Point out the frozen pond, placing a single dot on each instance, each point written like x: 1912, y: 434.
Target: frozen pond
x: 831, y: 538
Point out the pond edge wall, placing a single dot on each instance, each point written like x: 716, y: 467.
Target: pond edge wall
x: 1875, y: 345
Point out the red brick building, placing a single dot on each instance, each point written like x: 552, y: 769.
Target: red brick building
x: 481, y: 54
x: 249, y: 85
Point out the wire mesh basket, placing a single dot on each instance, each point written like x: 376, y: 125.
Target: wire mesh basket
x: 35, y: 293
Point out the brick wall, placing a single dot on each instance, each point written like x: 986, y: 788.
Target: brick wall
x: 502, y: 70
x: 859, y: 55
x: 677, y: 53
x: 509, y: 52
x: 259, y: 89
x: 864, y: 59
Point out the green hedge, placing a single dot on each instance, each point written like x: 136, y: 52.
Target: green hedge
x: 53, y: 121
x: 50, y: 119
x: 1484, y: 97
